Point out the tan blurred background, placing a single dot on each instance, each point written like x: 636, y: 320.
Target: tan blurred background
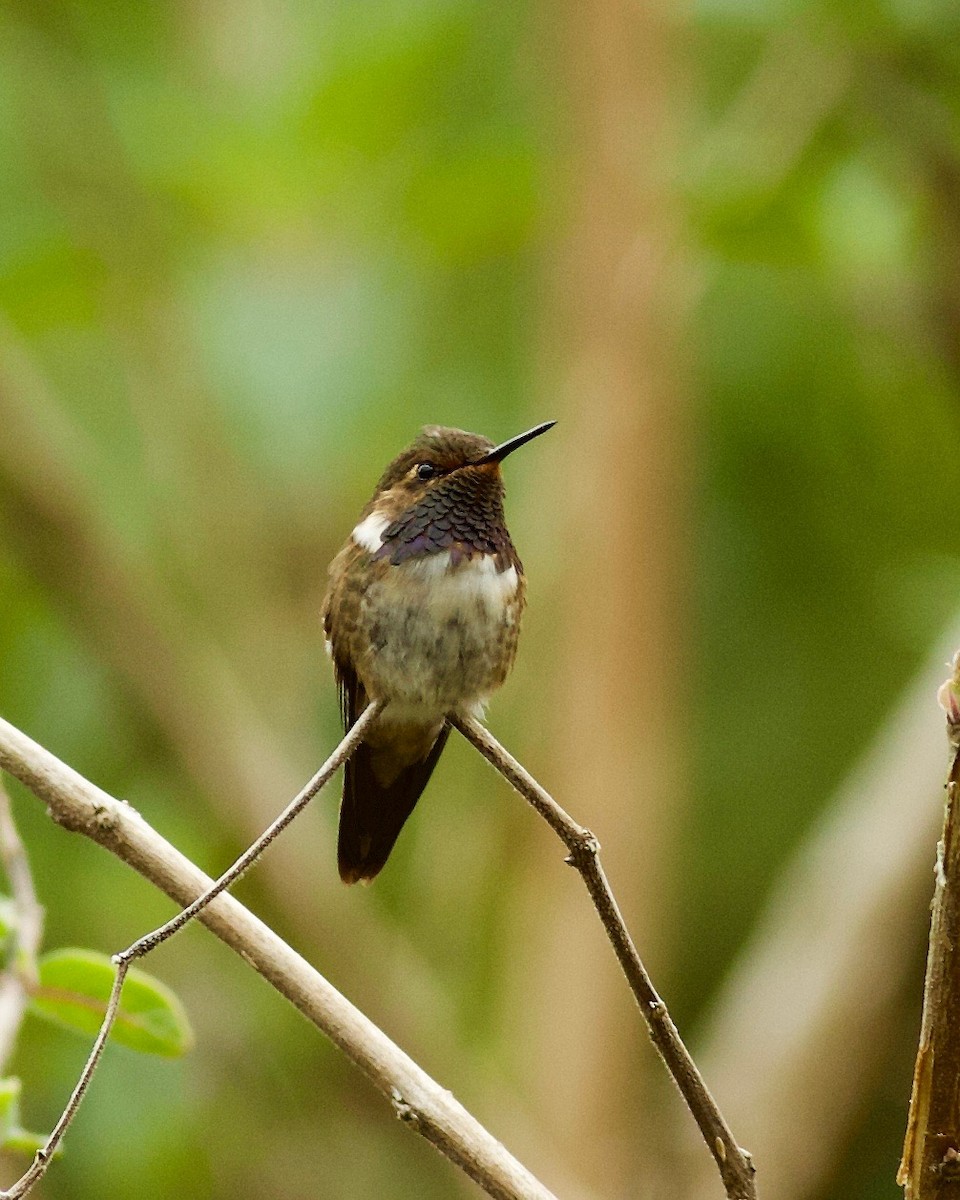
x: 246, y: 250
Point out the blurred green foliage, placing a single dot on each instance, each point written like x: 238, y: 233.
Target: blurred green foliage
x: 245, y: 251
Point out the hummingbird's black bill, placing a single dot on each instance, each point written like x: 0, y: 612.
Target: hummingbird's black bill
x: 499, y: 453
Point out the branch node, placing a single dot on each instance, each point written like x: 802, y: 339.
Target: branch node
x: 584, y: 848
x: 138, y: 949
x: 106, y: 820
x: 405, y: 1112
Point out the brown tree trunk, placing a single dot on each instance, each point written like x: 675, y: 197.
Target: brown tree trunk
x: 619, y: 495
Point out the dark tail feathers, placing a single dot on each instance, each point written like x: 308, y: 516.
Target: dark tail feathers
x: 371, y: 815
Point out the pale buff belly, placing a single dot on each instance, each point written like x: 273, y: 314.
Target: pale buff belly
x: 439, y: 637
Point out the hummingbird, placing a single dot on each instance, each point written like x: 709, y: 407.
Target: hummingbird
x: 422, y: 612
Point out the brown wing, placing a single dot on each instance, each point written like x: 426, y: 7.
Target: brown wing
x: 372, y: 812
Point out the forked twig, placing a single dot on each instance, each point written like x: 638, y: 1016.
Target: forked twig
x: 143, y: 945
x: 346, y: 749
x: 421, y: 1103
x: 41, y: 1160
x: 735, y: 1166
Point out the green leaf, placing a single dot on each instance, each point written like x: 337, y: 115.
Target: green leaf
x: 73, y: 990
x: 25, y: 1141
x: 12, y: 1134
x: 9, y: 1107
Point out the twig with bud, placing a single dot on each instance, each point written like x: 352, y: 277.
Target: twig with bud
x: 734, y: 1164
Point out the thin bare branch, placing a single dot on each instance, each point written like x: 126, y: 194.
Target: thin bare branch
x: 150, y: 941
x: 734, y: 1164
x: 417, y: 1100
x: 44, y: 1155
x: 930, y: 1169
x: 348, y: 745
x: 28, y: 931
x: 796, y: 1033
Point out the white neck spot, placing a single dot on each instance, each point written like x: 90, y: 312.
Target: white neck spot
x: 369, y: 533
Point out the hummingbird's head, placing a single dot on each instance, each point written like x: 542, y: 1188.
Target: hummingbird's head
x: 435, y: 455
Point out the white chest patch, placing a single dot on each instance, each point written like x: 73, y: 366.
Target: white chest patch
x: 437, y: 632
x: 369, y: 533
x: 450, y: 590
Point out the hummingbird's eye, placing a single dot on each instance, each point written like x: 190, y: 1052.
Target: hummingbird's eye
x: 426, y: 471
